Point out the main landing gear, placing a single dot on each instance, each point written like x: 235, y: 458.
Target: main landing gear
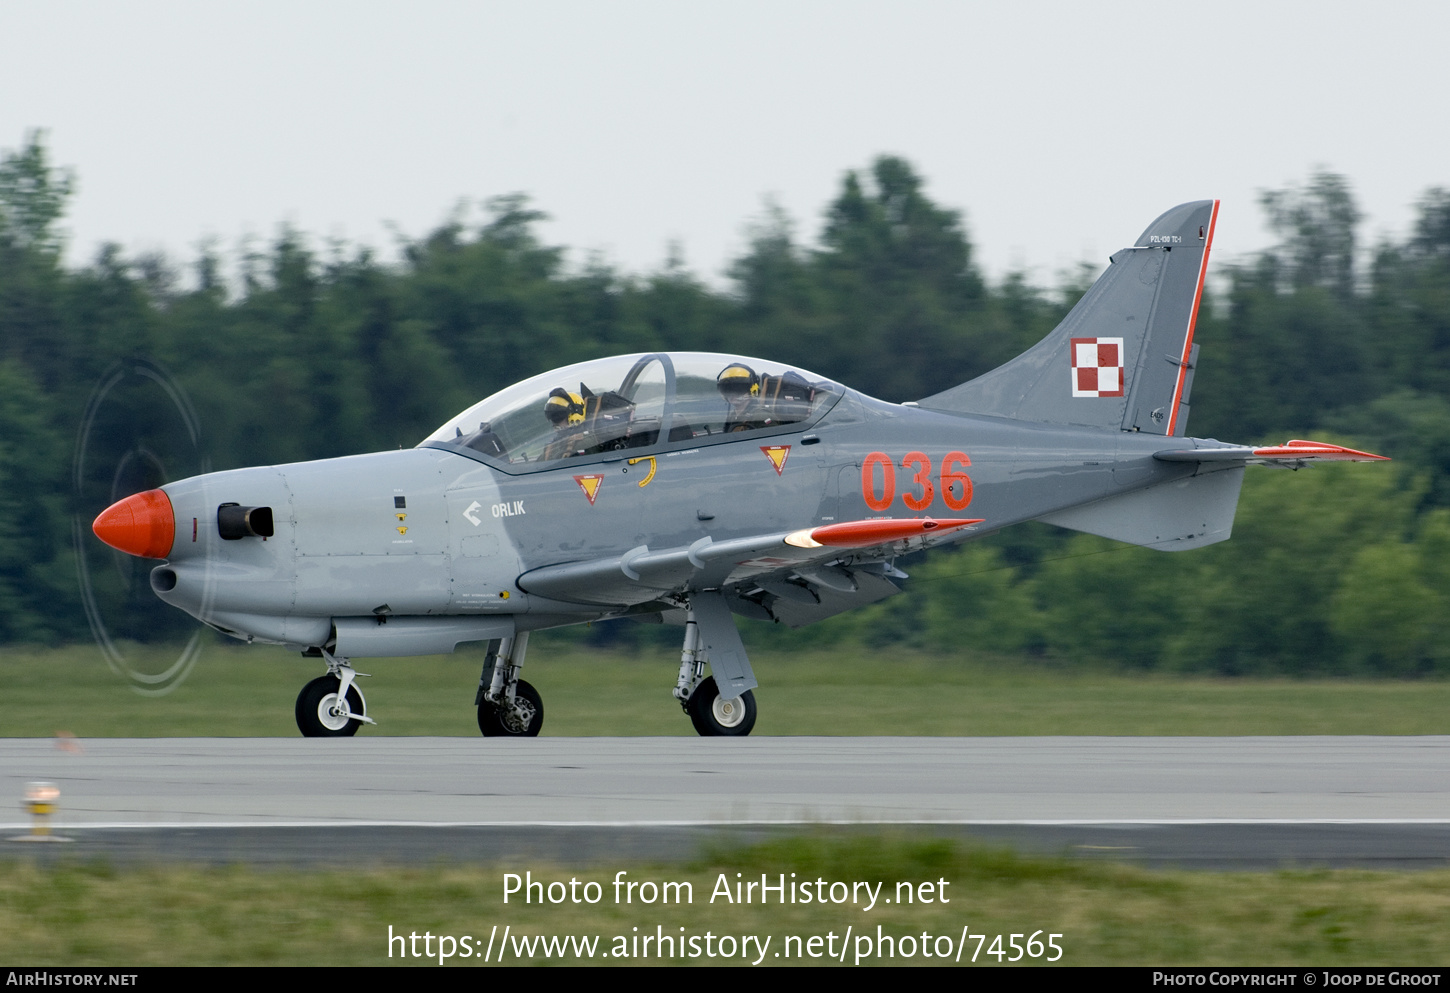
x: 713, y: 714
x: 331, y: 706
x: 507, y: 705
x: 714, y: 717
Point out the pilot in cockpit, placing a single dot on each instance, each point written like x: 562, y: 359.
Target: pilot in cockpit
x: 740, y: 387
x: 565, y: 411
x: 763, y: 401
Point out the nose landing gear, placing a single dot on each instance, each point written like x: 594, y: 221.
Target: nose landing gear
x: 507, y: 705
x: 331, y: 706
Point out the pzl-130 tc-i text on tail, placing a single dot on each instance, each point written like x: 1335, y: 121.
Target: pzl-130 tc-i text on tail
x: 690, y: 487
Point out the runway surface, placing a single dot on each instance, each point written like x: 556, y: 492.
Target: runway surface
x: 1192, y: 801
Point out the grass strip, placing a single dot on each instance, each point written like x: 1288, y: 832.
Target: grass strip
x: 1106, y: 914
x: 250, y: 691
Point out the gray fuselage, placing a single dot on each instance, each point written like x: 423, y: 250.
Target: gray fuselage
x: 432, y: 532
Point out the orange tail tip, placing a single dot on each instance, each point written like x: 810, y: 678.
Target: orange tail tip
x: 143, y: 524
x: 1317, y: 450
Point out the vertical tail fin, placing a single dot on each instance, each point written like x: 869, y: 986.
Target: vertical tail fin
x: 1124, y: 356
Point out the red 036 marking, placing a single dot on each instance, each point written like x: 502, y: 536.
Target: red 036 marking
x: 956, y: 485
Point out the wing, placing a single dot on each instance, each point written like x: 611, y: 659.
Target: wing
x: 802, y: 571
x: 1292, y: 454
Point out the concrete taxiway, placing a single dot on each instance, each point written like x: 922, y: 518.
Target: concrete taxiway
x: 1193, y: 801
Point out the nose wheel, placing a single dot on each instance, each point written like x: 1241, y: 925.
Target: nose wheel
x: 521, y: 720
x: 508, y: 707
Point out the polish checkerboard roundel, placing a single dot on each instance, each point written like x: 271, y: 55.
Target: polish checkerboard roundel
x: 1097, y: 367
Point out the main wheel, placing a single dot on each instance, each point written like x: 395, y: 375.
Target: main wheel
x: 713, y: 716
x: 525, y: 723
x: 317, y: 710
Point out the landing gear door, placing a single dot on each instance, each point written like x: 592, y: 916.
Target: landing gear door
x: 723, y: 647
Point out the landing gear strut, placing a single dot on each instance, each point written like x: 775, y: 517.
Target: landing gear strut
x: 699, y: 695
x: 331, y: 706
x: 507, y: 705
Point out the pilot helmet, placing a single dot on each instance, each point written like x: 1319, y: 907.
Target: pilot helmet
x: 564, y: 407
x: 738, y: 381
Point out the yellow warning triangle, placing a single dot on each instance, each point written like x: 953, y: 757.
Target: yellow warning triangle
x: 590, y: 486
x: 777, y: 455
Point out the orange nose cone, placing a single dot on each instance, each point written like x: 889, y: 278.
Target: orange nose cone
x: 142, y: 524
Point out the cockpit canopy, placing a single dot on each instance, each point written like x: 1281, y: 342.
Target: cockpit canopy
x: 675, y: 399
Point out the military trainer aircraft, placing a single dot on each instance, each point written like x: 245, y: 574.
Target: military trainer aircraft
x: 689, y: 487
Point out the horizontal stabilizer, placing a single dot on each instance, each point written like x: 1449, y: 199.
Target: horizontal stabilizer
x: 1171, y: 517
x: 1294, y: 454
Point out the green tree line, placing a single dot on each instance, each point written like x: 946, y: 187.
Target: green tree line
x: 299, y: 352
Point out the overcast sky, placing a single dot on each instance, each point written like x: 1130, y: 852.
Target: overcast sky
x: 1059, y: 129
